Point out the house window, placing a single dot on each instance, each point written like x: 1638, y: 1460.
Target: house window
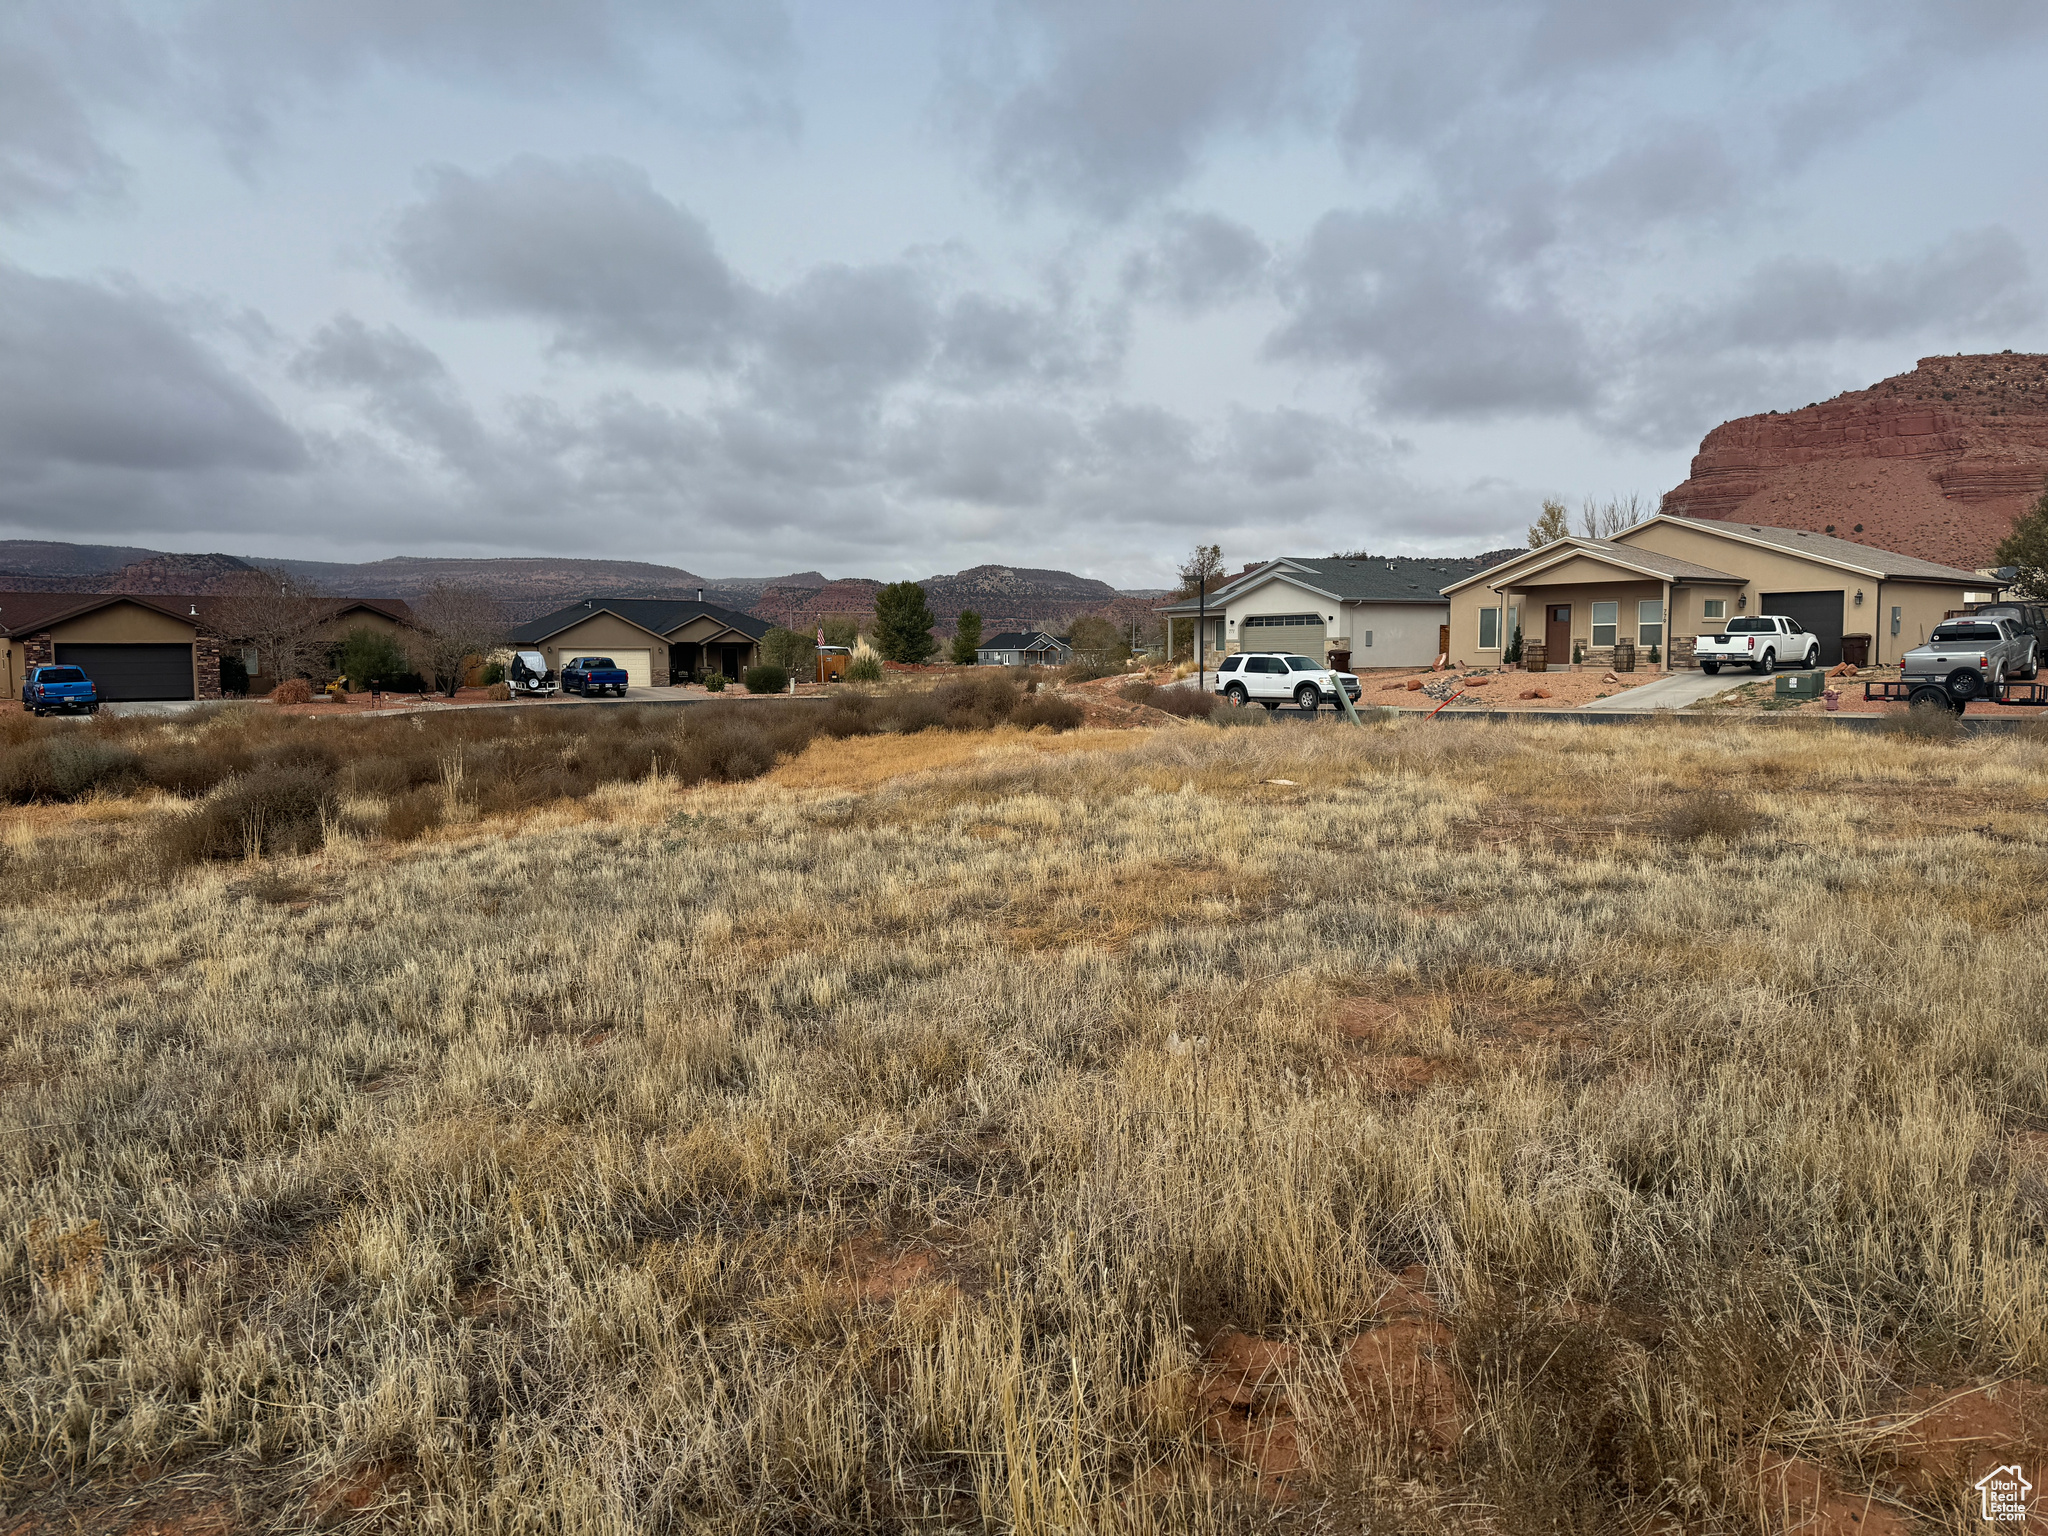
x: 252, y: 660
x: 1489, y: 629
x: 1606, y: 617
x: 1650, y: 621
x: 1282, y: 620
x: 1714, y: 608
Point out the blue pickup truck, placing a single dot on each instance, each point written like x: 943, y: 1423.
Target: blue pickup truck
x: 590, y: 675
x: 59, y: 691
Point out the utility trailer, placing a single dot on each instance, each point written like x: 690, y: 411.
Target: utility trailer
x: 1921, y: 691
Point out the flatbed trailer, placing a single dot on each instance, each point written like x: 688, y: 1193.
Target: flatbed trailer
x: 1924, y: 692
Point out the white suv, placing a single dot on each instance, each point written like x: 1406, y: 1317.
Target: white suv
x: 1274, y: 678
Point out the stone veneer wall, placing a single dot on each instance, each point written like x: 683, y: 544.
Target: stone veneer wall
x: 39, y: 650
x: 1682, y: 653
x: 206, y: 652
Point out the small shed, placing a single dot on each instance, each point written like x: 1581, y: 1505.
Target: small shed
x: 833, y: 660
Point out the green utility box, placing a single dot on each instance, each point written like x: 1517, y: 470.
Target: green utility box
x: 1802, y: 685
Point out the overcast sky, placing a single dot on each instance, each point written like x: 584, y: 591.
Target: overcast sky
x: 895, y: 288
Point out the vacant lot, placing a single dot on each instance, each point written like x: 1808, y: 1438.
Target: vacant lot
x: 1431, y: 1127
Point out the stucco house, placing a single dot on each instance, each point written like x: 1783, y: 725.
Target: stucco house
x: 657, y: 641
x: 1668, y: 579
x: 1023, y: 648
x: 1386, y: 611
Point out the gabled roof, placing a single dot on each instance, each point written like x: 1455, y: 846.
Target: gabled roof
x: 659, y: 616
x: 24, y: 613
x: 1645, y: 562
x: 1371, y: 579
x: 1022, y: 640
x: 1863, y: 559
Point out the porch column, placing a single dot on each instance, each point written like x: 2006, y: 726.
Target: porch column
x: 1664, y: 650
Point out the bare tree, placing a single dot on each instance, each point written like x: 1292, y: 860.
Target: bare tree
x: 457, y: 625
x: 277, y: 613
x: 1604, y: 521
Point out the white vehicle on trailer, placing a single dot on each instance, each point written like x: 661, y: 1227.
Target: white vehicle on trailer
x: 1762, y: 642
x: 528, y: 676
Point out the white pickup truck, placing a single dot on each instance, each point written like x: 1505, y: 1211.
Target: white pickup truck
x: 1761, y: 643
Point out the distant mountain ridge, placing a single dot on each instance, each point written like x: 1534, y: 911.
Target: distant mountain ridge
x: 1007, y: 597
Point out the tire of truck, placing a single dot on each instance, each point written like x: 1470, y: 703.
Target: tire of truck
x: 1963, y: 685
x: 1236, y: 694
x: 1309, y: 697
x: 1765, y: 664
x: 1812, y: 657
x: 1711, y: 668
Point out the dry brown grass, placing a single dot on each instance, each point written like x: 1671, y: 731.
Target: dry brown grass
x: 1109, y: 1139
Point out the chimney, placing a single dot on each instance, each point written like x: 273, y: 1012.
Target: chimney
x: 700, y: 594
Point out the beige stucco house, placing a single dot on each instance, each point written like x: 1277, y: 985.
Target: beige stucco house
x: 1668, y: 579
x: 1386, y: 611
x: 131, y: 647
x: 656, y: 640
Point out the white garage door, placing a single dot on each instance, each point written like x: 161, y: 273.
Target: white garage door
x: 638, y: 674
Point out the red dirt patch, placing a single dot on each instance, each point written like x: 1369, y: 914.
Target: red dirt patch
x: 340, y: 1497
x: 1393, y: 1383
x: 867, y: 1270
x: 1796, y: 1497
x: 1947, y: 1440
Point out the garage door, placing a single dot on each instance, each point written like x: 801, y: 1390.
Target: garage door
x: 133, y: 671
x: 1298, y: 634
x: 1818, y: 613
x: 635, y: 664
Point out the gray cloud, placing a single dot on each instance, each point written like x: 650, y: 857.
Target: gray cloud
x: 589, y: 247
x: 1200, y: 260
x: 1433, y: 328
x: 101, y: 377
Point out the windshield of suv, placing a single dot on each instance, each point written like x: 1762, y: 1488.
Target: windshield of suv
x: 1303, y: 664
x: 1964, y: 634
x: 1758, y: 626
x: 61, y: 675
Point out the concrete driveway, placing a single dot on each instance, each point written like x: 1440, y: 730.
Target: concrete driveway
x: 1676, y: 691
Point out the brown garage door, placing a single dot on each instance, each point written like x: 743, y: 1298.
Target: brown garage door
x: 133, y: 671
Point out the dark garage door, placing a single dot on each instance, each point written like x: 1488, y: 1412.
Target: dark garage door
x: 1818, y: 613
x: 133, y: 671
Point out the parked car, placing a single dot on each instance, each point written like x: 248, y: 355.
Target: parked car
x: 2032, y: 617
x: 1274, y: 678
x: 528, y: 676
x: 589, y: 675
x: 1758, y: 641
x: 1971, y: 658
x: 60, y: 691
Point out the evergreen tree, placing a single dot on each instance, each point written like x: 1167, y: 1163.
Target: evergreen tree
x: 967, y: 638
x: 2027, y: 548
x: 903, y: 623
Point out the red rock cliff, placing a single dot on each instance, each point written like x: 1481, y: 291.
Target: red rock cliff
x: 1935, y: 463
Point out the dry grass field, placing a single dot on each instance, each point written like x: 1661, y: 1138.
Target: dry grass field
x: 1433, y: 1127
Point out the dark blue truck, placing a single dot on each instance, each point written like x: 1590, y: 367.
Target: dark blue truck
x: 59, y: 691
x: 590, y: 675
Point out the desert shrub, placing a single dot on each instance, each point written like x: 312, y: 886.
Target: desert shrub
x: 270, y: 810
x: 1187, y: 703
x: 1926, y: 722
x: 412, y: 815
x: 194, y: 768
x: 790, y: 650
x: 67, y: 767
x: 499, y: 690
x: 767, y: 678
x: 293, y: 690
x: 492, y: 674
x: 866, y: 667
x: 1044, y: 709
x: 978, y: 702
x: 1249, y: 715
x: 714, y: 682
x: 1709, y: 813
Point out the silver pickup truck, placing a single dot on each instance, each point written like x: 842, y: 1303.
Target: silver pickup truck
x: 1972, y: 657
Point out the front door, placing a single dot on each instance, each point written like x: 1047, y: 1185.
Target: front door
x: 1557, y: 634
